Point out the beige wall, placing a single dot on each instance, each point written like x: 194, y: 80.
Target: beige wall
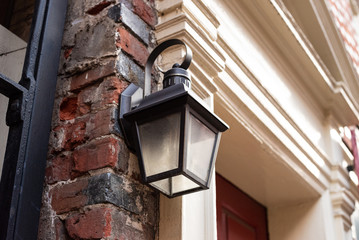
x: 307, y: 220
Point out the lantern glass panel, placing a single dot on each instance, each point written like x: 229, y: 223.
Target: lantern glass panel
x: 175, y: 184
x: 181, y: 183
x: 200, y: 148
x: 160, y: 141
x: 163, y: 185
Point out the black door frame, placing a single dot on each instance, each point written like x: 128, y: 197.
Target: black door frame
x: 29, y: 119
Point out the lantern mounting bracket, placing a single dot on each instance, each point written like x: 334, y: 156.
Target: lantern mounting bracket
x: 129, y: 99
x: 155, y: 53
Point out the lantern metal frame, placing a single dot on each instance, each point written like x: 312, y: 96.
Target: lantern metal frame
x: 138, y: 107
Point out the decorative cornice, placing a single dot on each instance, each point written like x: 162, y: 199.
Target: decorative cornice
x: 343, y: 91
x: 343, y: 206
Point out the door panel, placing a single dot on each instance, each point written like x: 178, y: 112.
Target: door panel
x: 239, y: 217
x: 238, y: 229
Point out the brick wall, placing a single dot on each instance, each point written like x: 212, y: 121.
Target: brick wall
x: 343, y: 12
x: 92, y: 187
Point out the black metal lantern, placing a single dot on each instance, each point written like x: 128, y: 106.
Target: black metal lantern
x: 173, y: 134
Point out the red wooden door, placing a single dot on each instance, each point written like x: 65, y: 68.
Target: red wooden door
x: 239, y: 217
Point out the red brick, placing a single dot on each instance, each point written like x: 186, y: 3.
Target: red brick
x: 94, y: 223
x: 129, y: 227
x: 70, y: 135
x: 111, y: 88
x: 67, y: 53
x: 97, y: 96
x: 68, y: 108
x: 60, y: 230
x: 92, y: 75
x: 145, y: 12
x: 100, y: 123
x: 84, y: 108
x: 98, y: 8
x: 96, y: 154
x: 86, y: 98
x: 132, y: 46
x: 68, y: 197
x: 75, y: 134
x: 59, y: 169
x: 93, y: 125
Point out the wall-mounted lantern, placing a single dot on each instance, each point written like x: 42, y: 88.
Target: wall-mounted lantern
x: 173, y: 134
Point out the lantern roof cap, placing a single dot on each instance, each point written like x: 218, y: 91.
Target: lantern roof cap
x: 178, y: 93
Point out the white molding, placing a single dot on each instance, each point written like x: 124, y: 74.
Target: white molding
x: 343, y: 206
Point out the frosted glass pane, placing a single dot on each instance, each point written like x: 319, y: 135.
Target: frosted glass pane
x: 200, y: 148
x: 160, y: 144
x: 181, y: 183
x: 162, y: 185
x: 175, y: 184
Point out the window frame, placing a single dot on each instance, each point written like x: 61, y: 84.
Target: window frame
x: 29, y: 117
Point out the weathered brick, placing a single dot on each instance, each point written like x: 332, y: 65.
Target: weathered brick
x: 68, y: 197
x: 101, y: 123
x: 110, y: 90
x: 57, y: 139
x: 68, y: 136
x: 75, y: 10
x: 146, y: 12
x: 102, y: 221
x: 94, y: 41
x: 60, y: 230
x: 97, y: 154
x: 132, y: 46
x: 68, y: 108
x: 59, y: 168
x: 120, y: 13
x: 105, y: 188
x: 130, y: 70
x: 123, y: 158
x: 92, y: 75
x: 98, y: 8
x: 51, y: 227
x: 75, y: 134
x: 111, y: 188
x: 93, y: 223
x: 107, y: 205
x: 103, y: 93
x: 127, y: 227
x: 67, y: 52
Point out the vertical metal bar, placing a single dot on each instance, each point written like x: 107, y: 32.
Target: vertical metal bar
x: 47, y: 63
x: 25, y: 159
x: 15, y: 155
x: 7, y: 185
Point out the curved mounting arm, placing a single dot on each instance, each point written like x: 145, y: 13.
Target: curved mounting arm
x: 155, y: 53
